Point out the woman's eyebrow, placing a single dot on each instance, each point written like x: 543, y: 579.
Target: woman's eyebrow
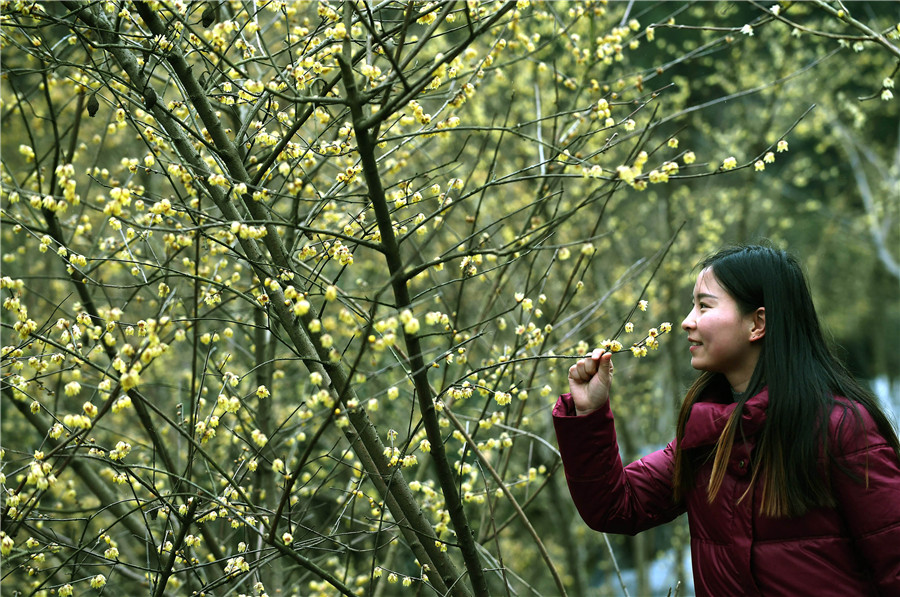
x: 704, y: 295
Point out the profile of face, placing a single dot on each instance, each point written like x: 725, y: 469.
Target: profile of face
x: 722, y: 338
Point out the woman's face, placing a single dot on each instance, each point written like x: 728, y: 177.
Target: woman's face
x: 722, y: 339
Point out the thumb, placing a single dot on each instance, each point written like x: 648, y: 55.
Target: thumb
x: 604, y: 360
x: 605, y: 369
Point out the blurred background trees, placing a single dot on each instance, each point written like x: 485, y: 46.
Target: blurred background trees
x: 290, y: 288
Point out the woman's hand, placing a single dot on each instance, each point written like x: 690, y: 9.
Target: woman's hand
x: 589, y: 381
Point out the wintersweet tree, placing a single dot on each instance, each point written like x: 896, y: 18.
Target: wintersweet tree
x: 289, y: 288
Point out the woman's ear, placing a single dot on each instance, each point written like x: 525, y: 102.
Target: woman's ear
x: 758, y: 324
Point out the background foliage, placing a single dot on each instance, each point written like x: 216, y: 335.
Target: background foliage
x: 290, y: 288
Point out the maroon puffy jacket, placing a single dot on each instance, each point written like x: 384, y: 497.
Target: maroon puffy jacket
x: 853, y: 549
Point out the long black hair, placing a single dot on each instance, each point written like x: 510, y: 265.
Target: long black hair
x: 803, y: 378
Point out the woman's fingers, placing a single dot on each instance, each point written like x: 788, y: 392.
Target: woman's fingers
x: 583, y: 370
x: 586, y: 368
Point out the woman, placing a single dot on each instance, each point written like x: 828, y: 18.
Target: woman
x: 788, y: 470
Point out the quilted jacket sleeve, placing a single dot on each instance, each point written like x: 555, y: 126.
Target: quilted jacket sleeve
x: 870, y: 504
x: 612, y: 498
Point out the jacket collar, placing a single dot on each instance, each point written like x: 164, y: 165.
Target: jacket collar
x: 709, y: 416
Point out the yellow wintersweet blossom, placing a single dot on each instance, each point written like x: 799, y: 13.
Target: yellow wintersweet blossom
x: 28, y: 152
x: 130, y: 379
x: 6, y: 544
x: 655, y: 176
x: 301, y: 307
x: 626, y: 173
x: 98, y: 581
x: 121, y: 404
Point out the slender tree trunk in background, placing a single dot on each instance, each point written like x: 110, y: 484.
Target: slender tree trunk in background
x: 267, y: 493
x: 578, y: 566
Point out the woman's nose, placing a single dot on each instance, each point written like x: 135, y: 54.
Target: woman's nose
x: 688, y: 322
